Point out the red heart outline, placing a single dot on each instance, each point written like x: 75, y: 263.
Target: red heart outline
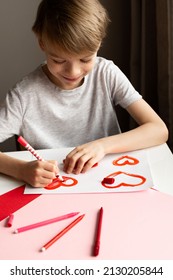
x: 57, y: 183
x: 134, y: 161
x: 143, y: 179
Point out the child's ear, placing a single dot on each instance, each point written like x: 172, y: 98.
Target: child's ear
x: 41, y: 44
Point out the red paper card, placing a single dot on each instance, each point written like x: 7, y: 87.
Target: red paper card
x: 13, y: 200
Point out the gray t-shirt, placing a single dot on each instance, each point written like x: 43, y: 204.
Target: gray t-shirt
x: 50, y: 117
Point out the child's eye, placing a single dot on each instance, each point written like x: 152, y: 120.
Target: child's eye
x: 58, y: 61
x: 85, y: 61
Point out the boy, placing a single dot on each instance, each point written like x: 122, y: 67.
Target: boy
x: 70, y: 100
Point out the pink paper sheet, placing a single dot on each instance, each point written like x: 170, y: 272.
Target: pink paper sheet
x: 135, y: 225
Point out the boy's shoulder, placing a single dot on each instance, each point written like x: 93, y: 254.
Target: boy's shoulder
x: 34, y: 78
x: 105, y: 64
x: 103, y: 61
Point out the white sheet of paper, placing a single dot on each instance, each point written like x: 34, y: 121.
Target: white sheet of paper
x: 91, y: 181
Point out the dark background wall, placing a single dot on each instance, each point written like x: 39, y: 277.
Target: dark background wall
x: 116, y: 45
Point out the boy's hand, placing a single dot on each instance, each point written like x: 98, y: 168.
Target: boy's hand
x: 39, y: 173
x: 83, y: 157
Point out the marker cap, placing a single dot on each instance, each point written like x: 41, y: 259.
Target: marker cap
x: 22, y: 141
x: 10, y: 220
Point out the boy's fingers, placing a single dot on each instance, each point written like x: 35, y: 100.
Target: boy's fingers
x: 52, y: 166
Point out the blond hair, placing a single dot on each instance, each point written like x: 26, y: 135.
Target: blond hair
x: 74, y: 25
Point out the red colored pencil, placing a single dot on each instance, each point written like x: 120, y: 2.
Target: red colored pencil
x: 98, y: 233
x: 61, y: 233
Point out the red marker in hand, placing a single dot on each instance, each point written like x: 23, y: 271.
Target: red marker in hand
x: 25, y: 144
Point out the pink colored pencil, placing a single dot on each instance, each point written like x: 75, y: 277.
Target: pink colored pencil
x: 25, y: 144
x: 61, y: 233
x: 46, y: 222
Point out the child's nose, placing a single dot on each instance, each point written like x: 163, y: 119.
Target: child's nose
x: 73, y: 70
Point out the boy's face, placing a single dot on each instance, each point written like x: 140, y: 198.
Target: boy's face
x: 67, y: 70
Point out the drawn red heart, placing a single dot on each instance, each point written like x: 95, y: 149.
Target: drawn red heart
x: 58, y: 183
x: 125, y: 160
x: 124, y: 184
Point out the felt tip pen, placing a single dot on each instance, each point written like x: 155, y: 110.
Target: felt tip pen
x: 25, y: 144
x: 98, y: 233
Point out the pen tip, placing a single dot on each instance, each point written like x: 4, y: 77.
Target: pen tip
x: 43, y: 249
x: 60, y: 178
x: 15, y: 231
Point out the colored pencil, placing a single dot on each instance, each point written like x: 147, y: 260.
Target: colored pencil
x: 46, y: 222
x: 25, y: 144
x: 61, y: 233
x: 98, y: 233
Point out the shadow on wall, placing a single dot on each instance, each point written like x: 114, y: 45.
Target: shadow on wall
x: 19, y: 51
x: 9, y: 145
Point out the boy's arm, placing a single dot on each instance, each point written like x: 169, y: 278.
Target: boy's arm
x: 10, y: 166
x: 36, y: 173
x: 150, y: 132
